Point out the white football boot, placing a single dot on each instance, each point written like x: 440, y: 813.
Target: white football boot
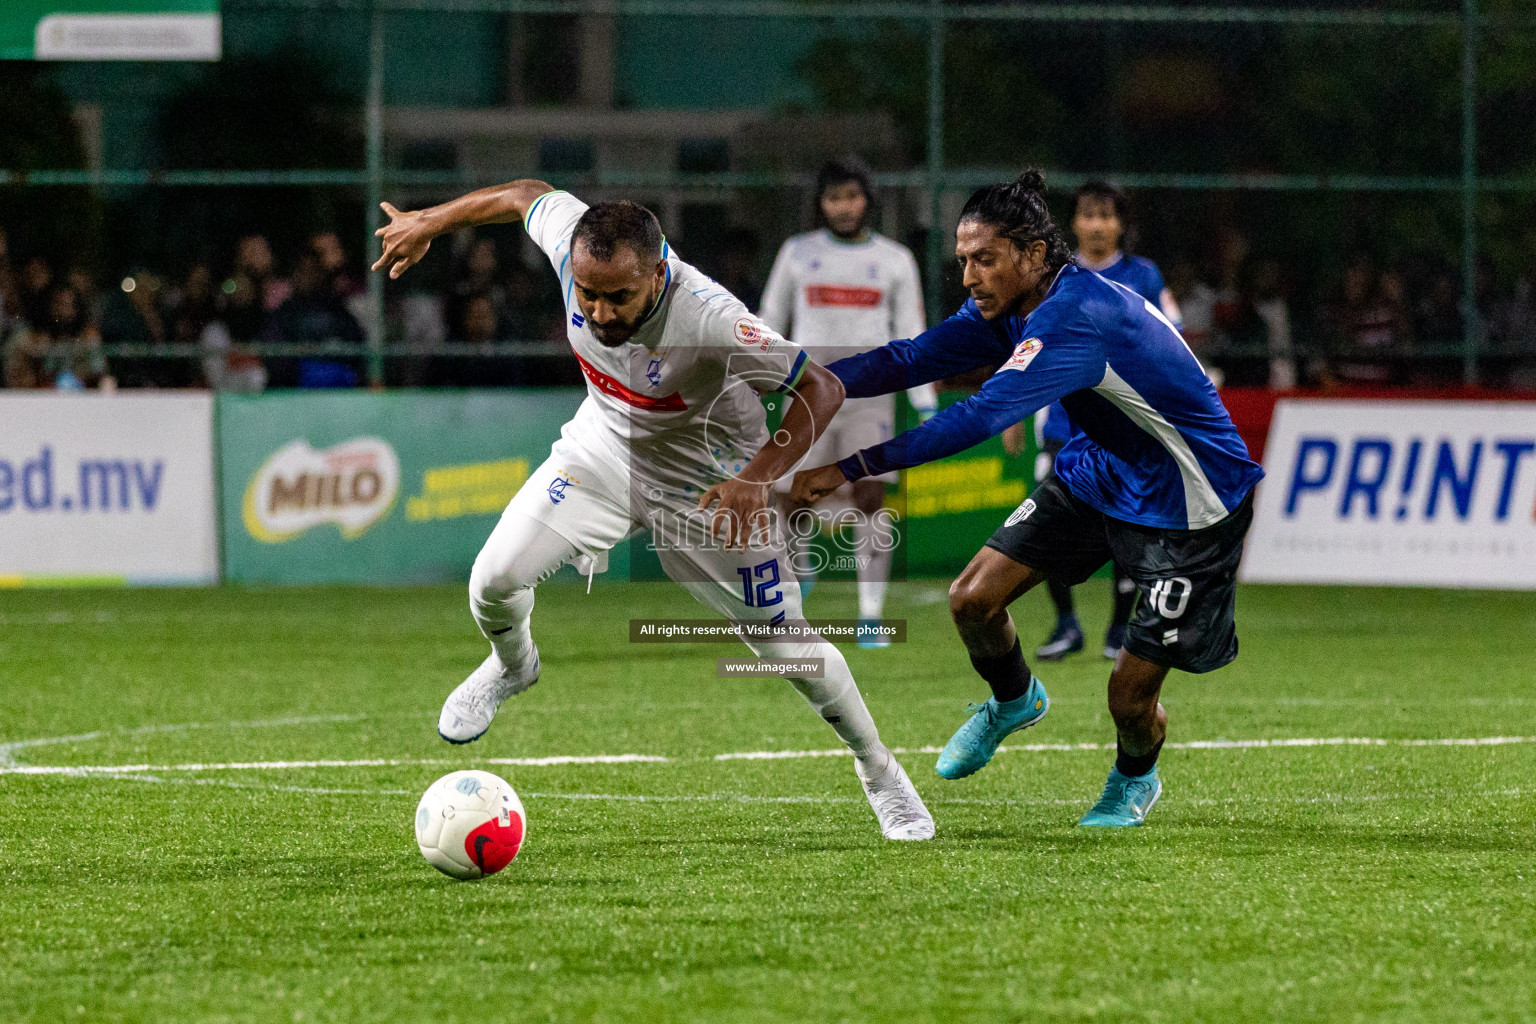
x: 468, y: 711
x: 896, y: 803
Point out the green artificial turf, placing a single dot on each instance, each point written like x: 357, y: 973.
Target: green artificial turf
x: 1390, y: 882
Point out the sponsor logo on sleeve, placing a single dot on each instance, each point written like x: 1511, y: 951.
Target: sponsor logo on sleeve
x: 1023, y: 355
x: 352, y: 484
x: 751, y: 332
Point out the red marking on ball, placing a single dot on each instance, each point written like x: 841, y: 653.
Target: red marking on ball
x: 493, y: 845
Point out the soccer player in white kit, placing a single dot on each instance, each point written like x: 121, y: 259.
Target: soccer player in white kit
x: 840, y: 291
x: 671, y: 438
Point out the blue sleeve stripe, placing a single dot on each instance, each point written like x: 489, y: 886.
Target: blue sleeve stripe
x: 794, y: 372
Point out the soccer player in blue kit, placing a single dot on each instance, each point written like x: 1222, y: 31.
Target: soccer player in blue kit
x: 1155, y: 478
x: 1099, y: 216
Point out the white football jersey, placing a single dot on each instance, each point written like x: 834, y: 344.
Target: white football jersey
x: 685, y: 388
x: 839, y: 299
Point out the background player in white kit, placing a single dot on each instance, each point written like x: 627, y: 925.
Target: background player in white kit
x: 840, y: 291
x: 672, y: 425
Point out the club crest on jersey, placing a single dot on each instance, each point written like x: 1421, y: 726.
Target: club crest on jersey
x: 749, y: 332
x: 653, y: 372
x: 1023, y: 355
x: 577, y: 320
x: 558, y: 485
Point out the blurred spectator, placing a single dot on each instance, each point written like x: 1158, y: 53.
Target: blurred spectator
x: 1197, y: 301
x: 313, y: 314
x: 1368, y: 328
x: 33, y: 283
x: 476, y: 276
x: 1512, y: 333
x: 190, y: 306
x: 8, y: 296
x: 134, y: 315
x: 26, y: 359
x: 350, y: 290
x: 253, y: 290
x: 526, y: 317
x: 1267, y: 289
x: 1437, y: 317
x: 63, y: 351
x: 477, y: 321
x: 737, y: 265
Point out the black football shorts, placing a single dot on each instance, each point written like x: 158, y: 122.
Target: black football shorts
x: 1187, y: 579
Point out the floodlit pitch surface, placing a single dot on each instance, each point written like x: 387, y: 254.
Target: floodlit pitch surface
x: 1362, y: 881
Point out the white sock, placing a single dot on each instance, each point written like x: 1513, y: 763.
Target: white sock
x: 874, y: 569
x: 507, y: 624
x: 836, y: 698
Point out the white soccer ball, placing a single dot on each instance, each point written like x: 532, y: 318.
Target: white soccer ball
x: 469, y: 824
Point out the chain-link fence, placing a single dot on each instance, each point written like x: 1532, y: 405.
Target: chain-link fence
x: 1330, y: 167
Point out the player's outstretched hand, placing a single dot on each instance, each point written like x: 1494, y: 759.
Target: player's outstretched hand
x: 406, y: 239
x: 740, y: 513
x: 811, y: 485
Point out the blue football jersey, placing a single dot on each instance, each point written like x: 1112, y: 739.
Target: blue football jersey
x: 1155, y: 445
x: 1141, y: 276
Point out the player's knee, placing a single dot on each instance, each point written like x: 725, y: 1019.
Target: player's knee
x: 495, y: 579
x: 970, y: 600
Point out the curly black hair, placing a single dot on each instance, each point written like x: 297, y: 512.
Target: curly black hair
x: 1017, y: 209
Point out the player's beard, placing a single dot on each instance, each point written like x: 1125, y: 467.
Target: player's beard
x: 616, y: 335
x: 621, y: 331
x: 859, y: 228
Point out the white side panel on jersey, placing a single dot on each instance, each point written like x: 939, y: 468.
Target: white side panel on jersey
x: 1200, y: 498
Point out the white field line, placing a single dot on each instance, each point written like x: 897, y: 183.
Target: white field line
x: 1030, y: 748
x: 11, y: 767
x: 365, y: 762
x: 8, y: 755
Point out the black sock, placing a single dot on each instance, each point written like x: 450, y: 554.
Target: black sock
x: 1125, y: 598
x: 1061, y: 597
x: 1136, y: 765
x: 1006, y: 674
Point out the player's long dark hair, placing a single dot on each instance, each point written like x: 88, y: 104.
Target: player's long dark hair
x: 837, y: 172
x: 1017, y: 210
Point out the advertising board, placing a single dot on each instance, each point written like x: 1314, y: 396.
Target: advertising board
x: 110, y: 30
x: 374, y: 487
x: 107, y: 488
x: 1399, y: 493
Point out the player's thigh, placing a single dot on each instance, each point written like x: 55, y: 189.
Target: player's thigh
x: 1055, y: 533
x: 572, y: 495
x: 1185, y: 615
x: 757, y: 583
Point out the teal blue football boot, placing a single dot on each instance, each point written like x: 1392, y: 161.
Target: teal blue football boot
x: 970, y: 748
x: 1126, y: 800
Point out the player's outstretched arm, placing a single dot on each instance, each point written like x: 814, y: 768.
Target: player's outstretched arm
x: 962, y: 342
x: 409, y: 233
x: 1024, y: 386
x: 743, y: 501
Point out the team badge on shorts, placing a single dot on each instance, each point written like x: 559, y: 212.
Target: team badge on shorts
x: 1021, y: 513
x: 558, y: 485
x: 1023, y: 355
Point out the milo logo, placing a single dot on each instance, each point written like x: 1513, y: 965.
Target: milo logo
x: 352, y: 484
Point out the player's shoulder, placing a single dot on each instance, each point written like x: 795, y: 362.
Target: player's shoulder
x: 804, y: 242
x: 887, y: 244
x: 1145, y: 271
x: 700, y: 300
x: 1077, y: 299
